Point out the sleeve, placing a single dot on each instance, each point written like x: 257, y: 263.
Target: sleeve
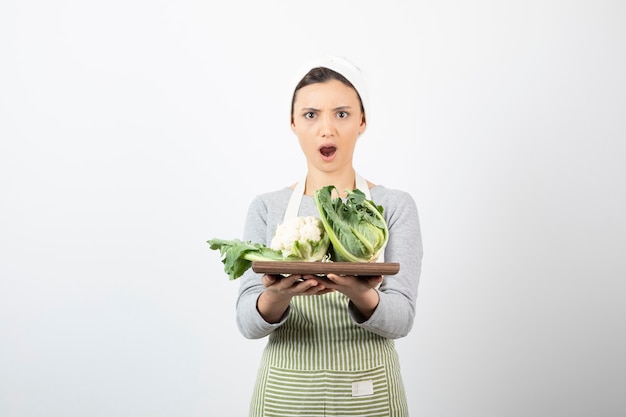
x: 249, y: 321
x: 395, y: 313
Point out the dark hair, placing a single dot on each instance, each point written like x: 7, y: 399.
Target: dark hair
x: 321, y: 75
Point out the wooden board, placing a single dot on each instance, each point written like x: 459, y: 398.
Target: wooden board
x: 324, y: 268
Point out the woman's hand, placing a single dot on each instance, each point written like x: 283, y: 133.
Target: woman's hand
x: 279, y: 290
x: 360, y: 290
x: 293, y: 285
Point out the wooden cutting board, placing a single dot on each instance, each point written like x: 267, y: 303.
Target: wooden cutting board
x: 324, y: 268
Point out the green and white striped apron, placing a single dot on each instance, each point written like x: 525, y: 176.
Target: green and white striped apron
x: 319, y: 363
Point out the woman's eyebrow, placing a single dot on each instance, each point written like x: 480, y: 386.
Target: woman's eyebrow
x: 306, y: 109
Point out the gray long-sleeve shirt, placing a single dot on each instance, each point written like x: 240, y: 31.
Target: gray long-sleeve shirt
x: 395, y: 313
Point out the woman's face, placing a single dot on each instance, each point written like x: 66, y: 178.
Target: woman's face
x: 327, y: 119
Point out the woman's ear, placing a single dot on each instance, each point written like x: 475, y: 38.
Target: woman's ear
x: 363, y: 123
x: 293, y: 125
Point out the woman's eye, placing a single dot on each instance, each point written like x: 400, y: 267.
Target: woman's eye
x: 309, y: 115
x: 342, y: 114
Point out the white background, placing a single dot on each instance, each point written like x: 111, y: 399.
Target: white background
x: 133, y: 131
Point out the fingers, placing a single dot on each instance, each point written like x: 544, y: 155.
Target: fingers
x: 313, y: 285
x: 318, y: 285
x: 375, y: 281
x: 353, y: 281
x: 310, y: 287
x: 279, y: 282
x: 268, y: 280
x: 293, y: 284
x: 325, y: 281
x: 343, y: 280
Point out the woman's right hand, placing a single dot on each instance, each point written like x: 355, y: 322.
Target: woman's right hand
x: 292, y: 285
x: 274, y: 301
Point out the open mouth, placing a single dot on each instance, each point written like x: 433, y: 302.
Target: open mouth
x: 328, y: 151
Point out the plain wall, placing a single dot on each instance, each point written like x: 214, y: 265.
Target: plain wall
x: 133, y: 131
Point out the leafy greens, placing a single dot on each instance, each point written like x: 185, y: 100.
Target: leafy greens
x: 237, y: 255
x: 356, y: 227
x: 348, y: 230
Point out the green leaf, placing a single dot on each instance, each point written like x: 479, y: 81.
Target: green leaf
x: 237, y: 255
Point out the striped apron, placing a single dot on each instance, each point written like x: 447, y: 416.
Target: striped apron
x: 319, y: 363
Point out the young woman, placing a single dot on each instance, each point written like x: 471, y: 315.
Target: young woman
x: 331, y: 340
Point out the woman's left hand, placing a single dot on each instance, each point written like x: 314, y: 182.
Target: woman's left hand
x: 360, y: 290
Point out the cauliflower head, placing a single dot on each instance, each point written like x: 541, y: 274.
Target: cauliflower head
x: 301, y: 238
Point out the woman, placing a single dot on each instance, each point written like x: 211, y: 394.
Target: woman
x: 330, y: 349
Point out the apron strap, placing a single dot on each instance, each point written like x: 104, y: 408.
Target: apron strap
x: 361, y: 184
x: 293, y: 207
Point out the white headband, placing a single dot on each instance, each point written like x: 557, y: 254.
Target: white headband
x: 346, y: 68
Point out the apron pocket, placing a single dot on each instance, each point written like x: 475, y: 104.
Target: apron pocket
x: 291, y: 392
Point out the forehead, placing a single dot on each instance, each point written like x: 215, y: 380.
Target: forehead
x: 328, y: 92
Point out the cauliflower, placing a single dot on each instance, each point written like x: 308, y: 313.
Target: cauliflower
x: 302, y: 238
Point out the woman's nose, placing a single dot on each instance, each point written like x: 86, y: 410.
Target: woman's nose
x: 327, y: 127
